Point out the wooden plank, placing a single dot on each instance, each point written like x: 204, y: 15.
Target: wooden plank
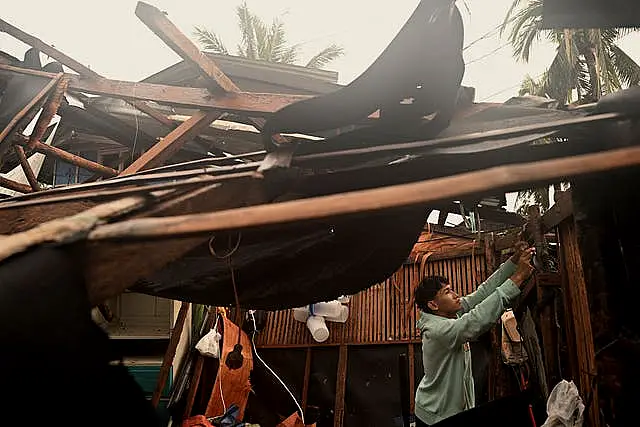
x: 546, y: 322
x: 341, y: 383
x: 162, y: 27
x: 71, y: 158
x: 46, y: 49
x: 404, y: 195
x: 242, y: 102
x: 15, y: 186
x: 26, y: 168
x: 169, y: 145
x: 170, y: 354
x: 67, y: 228
x: 580, y: 318
x: 30, y: 106
x: 412, y: 377
x: 561, y: 210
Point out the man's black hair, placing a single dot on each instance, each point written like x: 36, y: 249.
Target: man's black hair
x: 427, y: 290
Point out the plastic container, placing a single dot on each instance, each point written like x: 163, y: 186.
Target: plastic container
x: 344, y: 299
x: 301, y: 314
x: 342, y: 318
x: 326, y: 309
x: 318, y: 328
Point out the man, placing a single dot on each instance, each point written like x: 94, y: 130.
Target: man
x: 447, y: 324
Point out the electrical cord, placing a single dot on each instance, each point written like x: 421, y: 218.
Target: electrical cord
x: 253, y: 336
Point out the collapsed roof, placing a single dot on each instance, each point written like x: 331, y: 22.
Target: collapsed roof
x: 329, y: 192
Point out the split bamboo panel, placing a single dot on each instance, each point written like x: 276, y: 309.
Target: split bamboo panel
x: 382, y: 314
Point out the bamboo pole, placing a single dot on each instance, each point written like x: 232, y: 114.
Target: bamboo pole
x: 15, y: 186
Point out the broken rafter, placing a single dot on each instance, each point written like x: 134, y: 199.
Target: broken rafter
x: 396, y: 196
x: 243, y: 102
x: 49, y: 110
x: 169, y: 145
x: 162, y: 27
x: 14, y: 186
x: 46, y: 49
x: 30, y: 106
x: 75, y: 66
x: 26, y: 168
x: 71, y: 158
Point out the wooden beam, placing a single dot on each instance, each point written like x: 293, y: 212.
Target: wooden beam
x: 30, y: 106
x: 46, y: 49
x: 561, y: 210
x: 72, y: 158
x: 49, y: 110
x: 170, y: 354
x: 64, y: 229
x: 395, y: 196
x: 341, y: 385
x: 75, y: 66
x: 579, y: 318
x: 26, y: 168
x: 546, y: 323
x: 15, y: 186
x: 162, y: 27
x: 169, y: 145
x: 242, y: 102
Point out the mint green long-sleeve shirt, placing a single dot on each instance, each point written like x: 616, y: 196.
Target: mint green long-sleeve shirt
x: 447, y: 386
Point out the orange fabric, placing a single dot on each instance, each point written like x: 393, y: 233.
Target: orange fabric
x: 234, y: 384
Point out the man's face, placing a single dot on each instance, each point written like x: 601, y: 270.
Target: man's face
x: 447, y: 301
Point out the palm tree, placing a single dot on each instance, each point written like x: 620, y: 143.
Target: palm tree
x: 588, y: 62
x: 264, y: 42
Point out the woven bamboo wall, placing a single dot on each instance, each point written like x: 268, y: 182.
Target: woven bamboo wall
x: 382, y: 314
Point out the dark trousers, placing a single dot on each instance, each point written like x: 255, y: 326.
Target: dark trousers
x: 419, y: 423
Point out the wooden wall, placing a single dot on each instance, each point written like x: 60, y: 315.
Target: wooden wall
x: 382, y: 314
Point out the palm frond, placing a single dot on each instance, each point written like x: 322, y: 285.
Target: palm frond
x: 210, y: 41
x: 247, y: 46
x: 325, y: 56
x: 626, y: 68
x: 526, y: 29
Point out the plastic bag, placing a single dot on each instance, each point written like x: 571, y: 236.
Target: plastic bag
x: 564, y: 407
x: 209, y: 345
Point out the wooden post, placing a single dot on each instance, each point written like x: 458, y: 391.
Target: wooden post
x: 546, y: 318
x: 170, y: 354
x: 580, y: 319
x: 341, y: 383
x: 26, y: 168
x: 412, y: 378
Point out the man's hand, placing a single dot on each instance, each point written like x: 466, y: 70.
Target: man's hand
x: 518, y: 250
x: 524, y: 270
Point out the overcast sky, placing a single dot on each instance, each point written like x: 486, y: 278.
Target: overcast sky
x: 109, y: 38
